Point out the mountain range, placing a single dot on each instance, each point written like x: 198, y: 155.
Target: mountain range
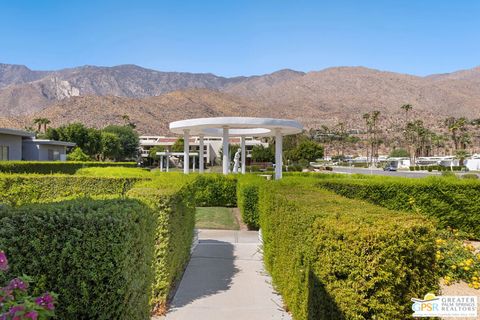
x: 99, y: 96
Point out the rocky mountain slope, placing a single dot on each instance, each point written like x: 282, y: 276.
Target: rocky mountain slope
x: 101, y: 95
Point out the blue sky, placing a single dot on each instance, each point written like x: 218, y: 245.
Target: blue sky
x: 243, y: 37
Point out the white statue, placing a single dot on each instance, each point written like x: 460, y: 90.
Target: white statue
x: 236, y: 161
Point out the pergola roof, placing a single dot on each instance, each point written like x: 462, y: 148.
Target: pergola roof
x: 237, y: 126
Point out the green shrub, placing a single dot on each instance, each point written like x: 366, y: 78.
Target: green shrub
x: 448, y: 174
x: 247, y: 198
x: 77, y: 155
x: 335, y: 258
x: 412, y: 168
x: 171, y: 200
x: 18, y: 189
x: 215, y: 190
x: 95, y: 254
x: 48, y: 167
x: 453, y: 202
x: 473, y: 176
x: 116, y: 172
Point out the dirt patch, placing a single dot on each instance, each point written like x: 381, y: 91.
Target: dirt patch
x: 238, y: 216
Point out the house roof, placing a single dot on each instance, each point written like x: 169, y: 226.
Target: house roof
x: 51, y: 142
x: 15, y: 132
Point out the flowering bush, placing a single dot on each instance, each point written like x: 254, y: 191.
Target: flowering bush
x: 458, y: 259
x: 16, y: 304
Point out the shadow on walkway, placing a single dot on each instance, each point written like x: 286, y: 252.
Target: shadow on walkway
x: 210, y: 271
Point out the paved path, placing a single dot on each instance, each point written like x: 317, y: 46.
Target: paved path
x: 225, y: 279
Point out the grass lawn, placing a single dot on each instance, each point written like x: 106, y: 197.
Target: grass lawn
x: 215, y: 218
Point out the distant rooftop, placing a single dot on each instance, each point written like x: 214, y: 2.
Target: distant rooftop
x: 15, y: 132
x: 51, y: 142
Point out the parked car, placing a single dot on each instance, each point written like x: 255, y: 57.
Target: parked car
x: 390, y: 167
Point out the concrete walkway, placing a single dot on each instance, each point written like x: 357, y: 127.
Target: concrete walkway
x: 225, y: 279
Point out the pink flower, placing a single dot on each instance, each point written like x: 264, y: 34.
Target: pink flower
x: 31, y: 315
x: 3, y: 261
x: 17, y: 283
x: 45, y: 301
x: 13, y: 311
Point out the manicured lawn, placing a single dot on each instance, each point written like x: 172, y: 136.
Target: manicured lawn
x: 215, y: 218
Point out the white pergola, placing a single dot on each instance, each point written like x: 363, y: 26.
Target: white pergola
x: 242, y: 127
x: 175, y: 154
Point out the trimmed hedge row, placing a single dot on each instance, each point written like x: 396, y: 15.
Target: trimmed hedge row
x: 248, y: 188
x: 171, y: 199
x: 95, y: 254
x: 453, y: 202
x: 49, y: 167
x: 336, y: 258
x: 22, y: 189
x: 215, y: 190
x: 167, y: 201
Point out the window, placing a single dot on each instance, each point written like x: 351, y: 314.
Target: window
x: 4, y: 153
x: 53, y: 155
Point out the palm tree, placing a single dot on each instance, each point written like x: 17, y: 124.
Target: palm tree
x: 459, y: 131
x: 126, y: 118
x: 406, y: 108
x: 45, y: 123
x: 38, y: 122
x: 368, y: 123
x: 461, y: 155
x: 376, y: 142
x: 42, y: 122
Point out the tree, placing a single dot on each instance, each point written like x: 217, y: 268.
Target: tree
x: 399, y: 153
x: 152, y: 153
x: 458, y: 132
x: 178, y: 145
x: 111, y: 146
x: 42, y: 122
x: 307, y: 150
x: 77, y: 155
x: 406, y: 108
x: 129, y: 140
x: 461, y: 155
x: 420, y: 137
x: 262, y: 154
x: 74, y: 132
x: 371, y: 121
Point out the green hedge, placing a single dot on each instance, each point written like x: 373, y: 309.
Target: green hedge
x: 453, y: 202
x: 48, y: 167
x: 215, y: 190
x: 168, y: 199
x: 337, y: 258
x: 18, y: 189
x: 95, y: 254
x: 248, y: 187
x: 171, y: 199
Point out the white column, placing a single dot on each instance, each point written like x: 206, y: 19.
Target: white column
x: 201, y: 164
x: 226, y: 158
x: 193, y: 164
x: 168, y: 162
x: 161, y: 163
x: 278, y: 154
x: 186, y: 151
x: 242, y: 146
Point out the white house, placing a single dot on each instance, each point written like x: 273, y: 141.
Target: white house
x: 473, y: 163
x: 22, y: 145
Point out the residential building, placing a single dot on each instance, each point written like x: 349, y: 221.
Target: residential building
x: 22, y: 145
